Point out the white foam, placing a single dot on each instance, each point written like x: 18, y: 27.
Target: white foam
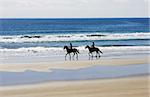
x: 81, y: 48
x: 74, y: 37
x: 31, y: 49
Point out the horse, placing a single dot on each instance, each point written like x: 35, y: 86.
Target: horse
x: 91, y: 50
x: 69, y: 51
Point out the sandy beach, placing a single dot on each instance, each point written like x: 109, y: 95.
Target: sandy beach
x: 72, y: 65
x: 129, y: 86
x: 121, y: 87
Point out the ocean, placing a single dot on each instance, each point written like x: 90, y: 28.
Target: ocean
x: 27, y: 33
x: 48, y: 34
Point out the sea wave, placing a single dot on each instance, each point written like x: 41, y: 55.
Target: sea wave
x: 81, y: 48
x: 72, y: 37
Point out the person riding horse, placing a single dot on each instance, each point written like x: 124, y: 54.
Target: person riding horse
x: 93, y: 49
x: 71, y: 50
x: 70, y: 45
x: 93, y: 45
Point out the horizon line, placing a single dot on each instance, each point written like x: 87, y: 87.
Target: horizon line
x: 74, y: 18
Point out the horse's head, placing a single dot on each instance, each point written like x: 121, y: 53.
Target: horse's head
x: 65, y: 47
x: 86, y: 47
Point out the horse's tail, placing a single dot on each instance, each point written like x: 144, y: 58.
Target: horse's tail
x: 100, y: 51
x: 78, y: 51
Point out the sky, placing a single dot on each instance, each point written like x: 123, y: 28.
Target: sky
x: 73, y: 8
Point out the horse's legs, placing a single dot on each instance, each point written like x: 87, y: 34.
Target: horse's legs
x: 92, y: 55
x: 99, y: 54
x: 66, y: 56
x: 69, y: 56
x: 76, y: 55
x: 96, y: 54
x: 73, y: 55
x: 89, y: 56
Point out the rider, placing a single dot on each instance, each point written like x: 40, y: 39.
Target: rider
x: 93, y: 45
x: 70, y: 45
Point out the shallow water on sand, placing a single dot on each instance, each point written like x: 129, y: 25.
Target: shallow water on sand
x: 89, y: 73
x: 51, y: 55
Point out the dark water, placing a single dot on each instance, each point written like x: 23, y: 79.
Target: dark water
x: 30, y: 33
x: 55, y: 26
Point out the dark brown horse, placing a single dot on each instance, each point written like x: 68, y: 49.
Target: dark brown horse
x: 69, y: 51
x: 91, y: 50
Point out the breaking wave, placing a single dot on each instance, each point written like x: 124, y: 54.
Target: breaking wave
x: 72, y: 37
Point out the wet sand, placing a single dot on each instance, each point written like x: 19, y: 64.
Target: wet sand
x: 133, y: 86
x: 72, y: 65
x: 121, y: 87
